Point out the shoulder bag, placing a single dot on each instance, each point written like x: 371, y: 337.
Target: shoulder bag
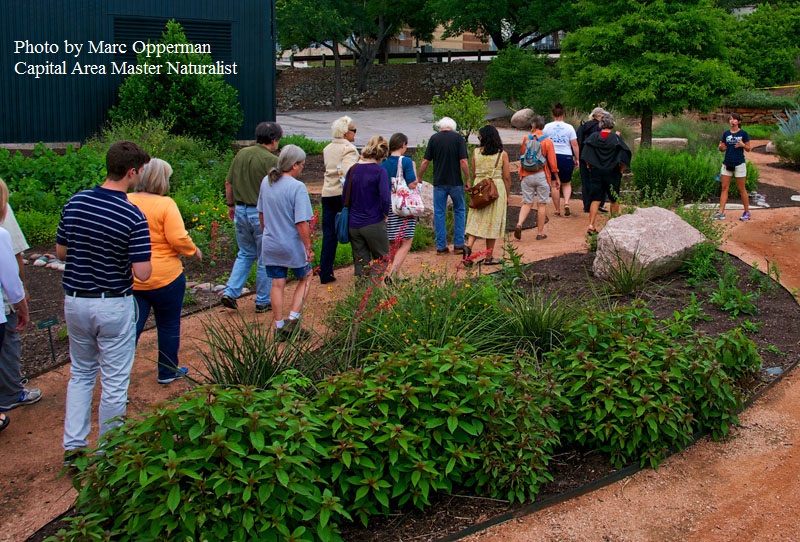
x: 342, y: 218
x: 485, y: 192
x: 405, y: 202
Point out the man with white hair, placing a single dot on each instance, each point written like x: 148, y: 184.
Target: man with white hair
x: 448, y: 151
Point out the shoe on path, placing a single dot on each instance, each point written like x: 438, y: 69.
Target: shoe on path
x: 229, y: 303
x: 291, y: 331
x: 182, y: 371
x: 566, y: 210
x: 261, y: 309
x: 458, y: 250
x: 718, y: 216
x: 440, y: 251
x: 4, y: 421
x: 745, y: 216
x: 541, y: 236
x: 517, y: 232
x: 27, y: 397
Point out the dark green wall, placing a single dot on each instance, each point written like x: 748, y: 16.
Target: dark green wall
x: 73, y: 107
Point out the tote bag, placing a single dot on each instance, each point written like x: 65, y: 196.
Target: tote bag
x: 405, y: 202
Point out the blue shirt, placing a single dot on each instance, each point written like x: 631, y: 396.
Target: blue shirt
x: 283, y: 204
x: 390, y: 165
x: 733, y: 155
x: 104, y: 234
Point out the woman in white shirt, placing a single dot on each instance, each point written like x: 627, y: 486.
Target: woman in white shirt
x: 565, y: 141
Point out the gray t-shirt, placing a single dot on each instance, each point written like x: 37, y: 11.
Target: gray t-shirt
x: 283, y: 204
x: 18, y: 243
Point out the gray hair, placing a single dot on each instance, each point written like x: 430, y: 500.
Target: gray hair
x: 537, y: 121
x: 340, y: 127
x: 607, y: 121
x: 154, y: 178
x: 597, y: 112
x: 446, y: 123
x: 289, y: 156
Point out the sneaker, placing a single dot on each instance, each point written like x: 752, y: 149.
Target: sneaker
x: 71, y: 456
x: 718, y: 216
x: 291, y: 331
x: 745, y: 216
x: 566, y: 210
x: 229, y: 303
x: 27, y: 397
x: 517, y: 232
x: 444, y: 250
x: 266, y: 307
x: 182, y: 371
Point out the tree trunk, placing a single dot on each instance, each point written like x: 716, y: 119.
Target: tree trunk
x: 337, y: 75
x: 365, y: 62
x: 647, y: 129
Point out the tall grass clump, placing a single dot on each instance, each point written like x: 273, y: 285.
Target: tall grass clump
x: 538, y: 319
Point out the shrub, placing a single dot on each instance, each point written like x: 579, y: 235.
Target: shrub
x: 654, y: 170
x: 215, y: 464
x: 510, y: 74
x: 463, y: 106
x: 791, y: 124
x: 197, y: 105
x: 39, y: 228
x: 638, y: 386
x: 788, y: 148
x: 542, y: 93
x: 698, y: 134
x: 435, y: 418
x: 310, y: 146
x: 538, y: 320
x: 759, y: 99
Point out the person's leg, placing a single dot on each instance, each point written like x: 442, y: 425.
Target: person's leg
x: 263, y: 283
x: 116, y: 341
x: 378, y: 246
x: 541, y: 218
x: 585, y: 186
x: 740, y: 184
x: 300, y: 293
x: 330, y: 206
x: 594, y: 208
x: 245, y: 239
x: 11, y: 387
x: 725, y: 181
x: 167, y: 308
x: 566, y: 191
x: 84, y: 356
x: 399, y: 257
x: 278, y: 288
x: 360, y: 251
x: 142, y: 298
x: 566, y: 165
x: 528, y: 189
x: 459, y: 214
x: 490, y: 249
x: 439, y: 216
x: 596, y: 193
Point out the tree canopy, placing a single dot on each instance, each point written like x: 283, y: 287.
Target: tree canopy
x: 649, y: 57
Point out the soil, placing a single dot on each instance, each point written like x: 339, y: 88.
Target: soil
x: 740, y: 489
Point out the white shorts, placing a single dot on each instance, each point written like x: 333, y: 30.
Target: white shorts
x: 739, y: 171
x: 535, y: 186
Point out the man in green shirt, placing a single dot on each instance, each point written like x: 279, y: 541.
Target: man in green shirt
x: 242, y: 185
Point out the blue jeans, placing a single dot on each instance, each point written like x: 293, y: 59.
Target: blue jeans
x: 440, y: 194
x: 248, y: 237
x: 167, y: 303
x: 102, y: 339
x: 10, y: 373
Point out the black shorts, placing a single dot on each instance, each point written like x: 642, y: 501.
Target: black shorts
x: 604, y: 181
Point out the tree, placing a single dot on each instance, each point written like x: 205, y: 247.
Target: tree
x: 506, y: 22
x: 199, y: 105
x: 649, y: 57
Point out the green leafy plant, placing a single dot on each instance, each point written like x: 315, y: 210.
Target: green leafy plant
x: 791, y: 124
x: 759, y: 99
x: 463, y: 106
x: 701, y: 266
x: 788, y: 148
x: 310, y: 146
x: 729, y: 297
x: 765, y: 282
x: 435, y: 418
x: 198, y: 105
x: 215, y: 464
x: 512, y: 72
x: 538, y: 320
x: 625, y: 275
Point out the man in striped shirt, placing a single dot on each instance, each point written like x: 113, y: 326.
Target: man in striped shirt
x: 104, y: 240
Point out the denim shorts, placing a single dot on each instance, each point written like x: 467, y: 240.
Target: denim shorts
x: 278, y: 272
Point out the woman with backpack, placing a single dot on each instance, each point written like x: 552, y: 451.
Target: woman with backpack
x: 536, y: 181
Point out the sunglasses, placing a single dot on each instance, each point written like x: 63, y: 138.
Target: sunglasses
x: 352, y: 130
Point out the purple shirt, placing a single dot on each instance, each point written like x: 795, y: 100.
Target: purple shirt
x: 370, y: 197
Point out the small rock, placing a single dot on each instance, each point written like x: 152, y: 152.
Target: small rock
x: 774, y: 371
x: 191, y: 284
x: 245, y: 291
x: 25, y: 261
x: 61, y: 267
x: 205, y: 287
x: 35, y: 256
x: 41, y: 262
x: 219, y: 288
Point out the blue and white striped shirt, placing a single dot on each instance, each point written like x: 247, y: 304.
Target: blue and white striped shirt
x: 104, y: 234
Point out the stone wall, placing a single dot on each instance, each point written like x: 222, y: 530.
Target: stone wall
x: 749, y: 115
x: 390, y: 85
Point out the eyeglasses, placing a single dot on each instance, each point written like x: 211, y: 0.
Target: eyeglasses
x: 352, y: 130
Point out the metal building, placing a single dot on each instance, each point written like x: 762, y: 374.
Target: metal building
x: 45, y: 97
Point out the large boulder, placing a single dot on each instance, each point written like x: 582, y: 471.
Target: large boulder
x: 426, y: 191
x: 654, y: 239
x: 521, y: 120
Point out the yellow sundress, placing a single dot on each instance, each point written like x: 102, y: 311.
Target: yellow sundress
x: 489, y: 222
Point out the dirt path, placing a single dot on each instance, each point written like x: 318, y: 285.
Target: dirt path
x: 743, y: 489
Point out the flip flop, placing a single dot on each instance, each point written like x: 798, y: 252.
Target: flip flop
x: 4, y: 421
x: 491, y: 261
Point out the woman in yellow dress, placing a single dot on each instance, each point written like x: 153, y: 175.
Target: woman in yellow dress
x: 489, y: 161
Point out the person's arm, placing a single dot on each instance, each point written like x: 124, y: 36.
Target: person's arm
x: 229, y: 199
x: 506, y: 172
x: 142, y: 270
x: 175, y: 231
x: 552, y: 164
x: 61, y: 252
x: 304, y: 231
x: 465, y: 171
x: 745, y: 142
x: 467, y: 184
x: 422, y: 167
x: 23, y: 317
x: 576, y: 151
x: 349, y: 158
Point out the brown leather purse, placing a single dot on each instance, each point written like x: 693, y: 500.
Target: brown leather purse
x: 485, y: 192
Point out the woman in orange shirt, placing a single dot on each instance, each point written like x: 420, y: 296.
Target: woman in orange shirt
x: 164, y: 290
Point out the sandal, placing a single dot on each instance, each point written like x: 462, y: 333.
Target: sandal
x: 592, y: 230
x: 540, y: 237
x: 491, y: 261
x: 4, y: 421
x: 466, y: 259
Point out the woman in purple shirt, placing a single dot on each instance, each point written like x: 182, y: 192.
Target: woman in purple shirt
x: 370, y: 205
